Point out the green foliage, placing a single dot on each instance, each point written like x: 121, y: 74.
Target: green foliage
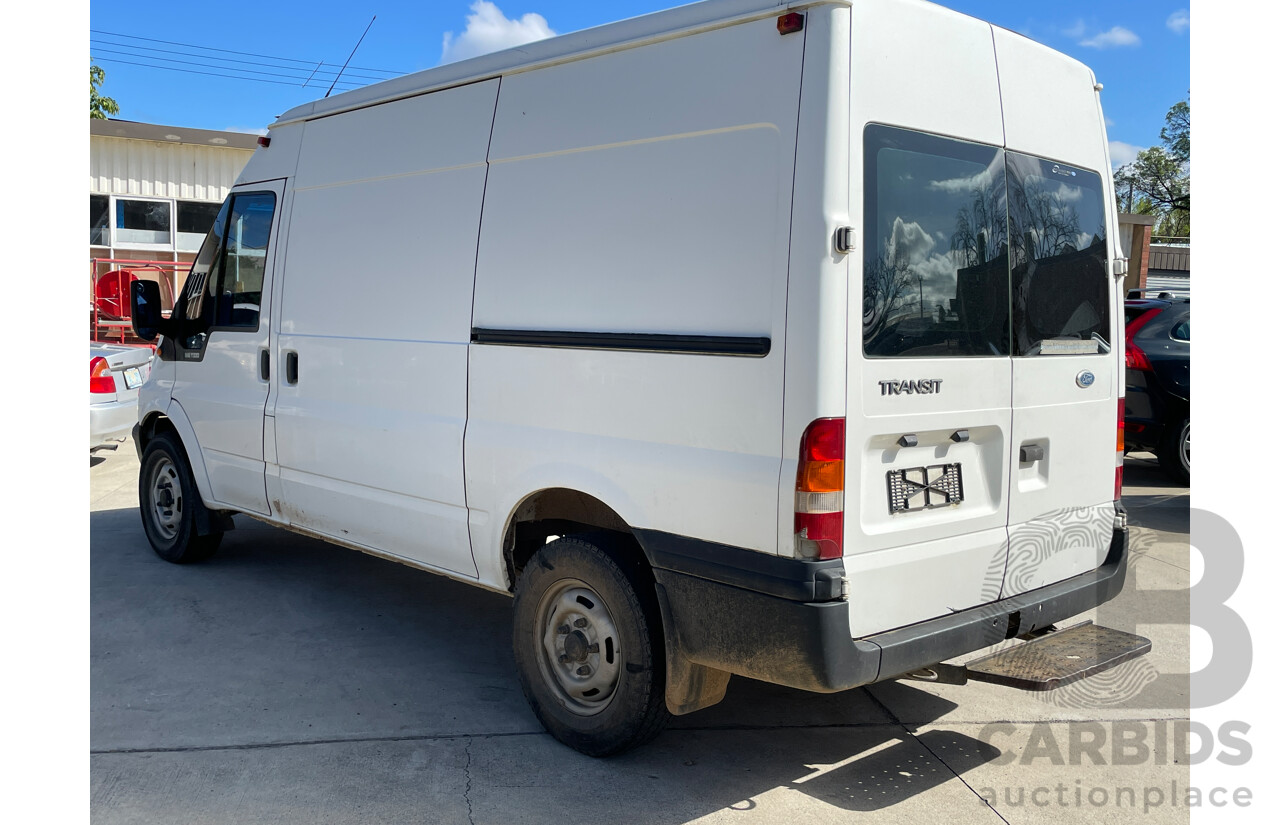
x: 1158, y: 181
x: 99, y: 106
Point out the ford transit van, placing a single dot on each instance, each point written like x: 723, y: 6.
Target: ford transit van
x: 781, y: 340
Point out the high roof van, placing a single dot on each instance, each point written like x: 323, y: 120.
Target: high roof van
x: 772, y: 339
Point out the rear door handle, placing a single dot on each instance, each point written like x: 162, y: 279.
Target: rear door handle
x: 264, y: 364
x: 291, y: 367
x: 1031, y: 452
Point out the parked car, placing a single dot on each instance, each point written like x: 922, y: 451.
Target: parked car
x: 1157, y: 403
x: 116, y: 372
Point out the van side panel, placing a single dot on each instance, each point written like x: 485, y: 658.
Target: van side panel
x: 376, y: 306
x: 643, y: 192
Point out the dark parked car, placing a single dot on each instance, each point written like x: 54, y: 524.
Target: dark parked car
x: 1157, y: 403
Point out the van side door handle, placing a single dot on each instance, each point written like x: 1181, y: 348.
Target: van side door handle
x: 264, y: 364
x: 291, y: 367
x: 1031, y: 452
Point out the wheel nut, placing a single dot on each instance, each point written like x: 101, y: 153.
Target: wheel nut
x: 579, y: 622
x: 563, y: 630
x: 584, y: 671
x: 564, y: 660
x: 594, y: 647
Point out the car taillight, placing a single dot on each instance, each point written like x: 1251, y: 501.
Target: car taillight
x: 100, y: 379
x: 820, y: 491
x: 1119, y: 447
x: 1135, y: 358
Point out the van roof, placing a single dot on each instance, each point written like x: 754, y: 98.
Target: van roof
x: 656, y: 26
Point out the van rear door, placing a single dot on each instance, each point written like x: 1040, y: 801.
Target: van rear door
x: 928, y: 416
x: 1065, y: 317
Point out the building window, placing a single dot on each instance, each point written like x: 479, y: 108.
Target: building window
x: 142, y: 222
x: 99, y: 209
x: 195, y: 219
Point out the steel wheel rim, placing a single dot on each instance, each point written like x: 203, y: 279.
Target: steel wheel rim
x: 1184, y: 447
x: 579, y: 652
x: 166, y: 499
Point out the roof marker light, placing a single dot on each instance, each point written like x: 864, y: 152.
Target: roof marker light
x: 791, y: 22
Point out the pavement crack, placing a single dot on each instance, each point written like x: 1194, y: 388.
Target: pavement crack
x: 466, y: 793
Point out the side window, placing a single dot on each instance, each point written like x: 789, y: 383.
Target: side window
x: 1181, y: 330
x: 243, y: 263
x: 224, y: 287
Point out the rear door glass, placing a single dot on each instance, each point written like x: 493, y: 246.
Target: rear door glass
x: 935, y: 272
x: 1057, y: 227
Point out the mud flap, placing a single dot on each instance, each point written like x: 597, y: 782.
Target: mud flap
x: 690, y: 686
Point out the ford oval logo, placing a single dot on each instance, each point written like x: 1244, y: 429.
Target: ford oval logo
x: 1084, y: 379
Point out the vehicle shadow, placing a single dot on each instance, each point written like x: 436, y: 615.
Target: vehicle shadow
x: 281, y: 640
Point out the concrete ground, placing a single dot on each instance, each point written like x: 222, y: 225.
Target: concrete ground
x: 287, y: 680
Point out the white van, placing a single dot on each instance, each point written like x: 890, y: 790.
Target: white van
x: 780, y: 340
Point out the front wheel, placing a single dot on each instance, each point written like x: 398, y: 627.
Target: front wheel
x: 168, y: 498
x: 587, y: 644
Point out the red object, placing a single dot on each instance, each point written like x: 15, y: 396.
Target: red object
x: 1119, y: 446
x: 1134, y: 357
x: 99, y: 378
x: 111, y: 293
x: 792, y: 22
x: 264, y: 141
x: 820, y: 487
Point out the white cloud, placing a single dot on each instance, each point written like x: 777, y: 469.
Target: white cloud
x: 1117, y: 36
x: 1122, y: 153
x: 1179, y: 21
x: 489, y: 30
x: 909, y: 243
x: 1077, y: 30
x: 953, y: 186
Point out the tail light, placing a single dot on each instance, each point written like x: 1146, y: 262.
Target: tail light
x: 100, y: 379
x: 1135, y: 358
x: 820, y: 491
x: 1119, y: 446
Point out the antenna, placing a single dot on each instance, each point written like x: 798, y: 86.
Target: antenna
x: 353, y: 54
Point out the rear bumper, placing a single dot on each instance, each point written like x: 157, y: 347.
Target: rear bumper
x: 724, y: 621
x: 112, y: 421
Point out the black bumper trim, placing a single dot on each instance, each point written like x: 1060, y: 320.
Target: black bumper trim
x: 794, y: 579
x: 806, y: 645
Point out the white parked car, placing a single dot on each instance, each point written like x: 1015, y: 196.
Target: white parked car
x: 747, y: 338
x: 115, y: 373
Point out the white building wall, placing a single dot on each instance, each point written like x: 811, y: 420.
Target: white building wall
x: 121, y: 166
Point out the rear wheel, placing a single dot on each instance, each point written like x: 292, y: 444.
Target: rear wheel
x: 168, y: 498
x: 1175, y: 452
x: 587, y: 646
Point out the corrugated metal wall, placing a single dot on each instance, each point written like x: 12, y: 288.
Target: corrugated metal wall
x: 119, y: 166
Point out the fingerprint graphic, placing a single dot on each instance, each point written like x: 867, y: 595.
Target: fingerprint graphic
x: 1111, y: 687
x: 1035, y: 542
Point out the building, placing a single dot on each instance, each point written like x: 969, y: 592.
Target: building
x: 154, y: 192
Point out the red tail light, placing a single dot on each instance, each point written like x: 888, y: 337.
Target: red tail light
x: 1135, y: 358
x: 1119, y: 447
x: 820, y: 491
x: 100, y: 379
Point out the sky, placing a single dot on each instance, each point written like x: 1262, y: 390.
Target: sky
x: 1138, y: 49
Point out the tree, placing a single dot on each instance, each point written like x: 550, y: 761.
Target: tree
x: 99, y: 106
x: 1158, y: 181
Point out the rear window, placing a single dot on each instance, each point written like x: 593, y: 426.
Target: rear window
x: 972, y: 251
x: 935, y: 271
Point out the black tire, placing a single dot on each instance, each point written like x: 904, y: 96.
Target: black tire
x: 587, y: 638
x: 169, y: 501
x: 1175, y: 450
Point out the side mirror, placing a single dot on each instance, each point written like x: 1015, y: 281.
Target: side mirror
x: 144, y: 310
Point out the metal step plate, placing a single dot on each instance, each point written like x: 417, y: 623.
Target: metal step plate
x: 1058, y: 658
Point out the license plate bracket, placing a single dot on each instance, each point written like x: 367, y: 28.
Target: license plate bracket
x: 132, y: 378
x: 924, y: 488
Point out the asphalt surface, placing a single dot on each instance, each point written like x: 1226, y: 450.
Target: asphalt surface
x: 287, y: 680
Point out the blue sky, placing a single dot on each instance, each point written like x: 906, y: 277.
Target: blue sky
x: 1139, y: 50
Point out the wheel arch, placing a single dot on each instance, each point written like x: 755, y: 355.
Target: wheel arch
x: 174, y: 420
